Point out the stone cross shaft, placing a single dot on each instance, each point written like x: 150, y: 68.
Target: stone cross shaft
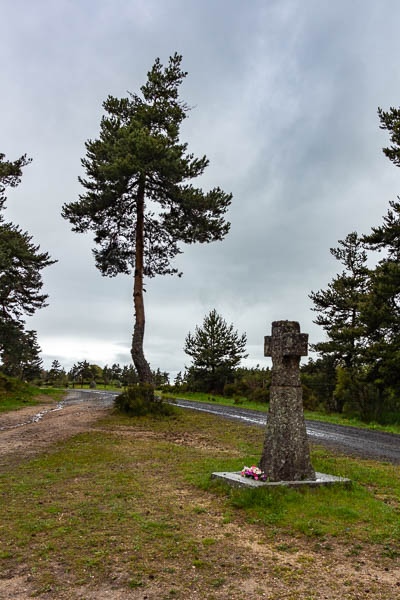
x: 286, y: 455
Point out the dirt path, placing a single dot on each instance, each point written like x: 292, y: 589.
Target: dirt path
x: 20, y: 438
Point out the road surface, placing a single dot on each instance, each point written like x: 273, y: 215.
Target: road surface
x: 367, y: 443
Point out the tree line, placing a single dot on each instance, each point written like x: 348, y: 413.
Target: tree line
x: 84, y: 373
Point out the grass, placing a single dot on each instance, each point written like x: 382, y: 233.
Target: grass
x: 334, y: 418
x: 356, y: 515
x: 133, y: 503
x: 215, y: 398
x: 15, y: 394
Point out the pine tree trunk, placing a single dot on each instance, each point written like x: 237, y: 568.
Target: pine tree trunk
x: 138, y: 358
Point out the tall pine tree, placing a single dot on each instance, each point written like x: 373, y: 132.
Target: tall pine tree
x: 338, y: 306
x: 381, y: 307
x: 216, y: 350
x: 21, y: 283
x: 20, y: 351
x: 138, y: 197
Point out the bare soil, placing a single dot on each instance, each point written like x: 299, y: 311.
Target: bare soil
x: 21, y: 439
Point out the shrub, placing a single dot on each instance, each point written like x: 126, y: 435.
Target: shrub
x: 7, y: 384
x: 365, y: 399
x: 259, y: 395
x: 237, y: 400
x: 173, y: 389
x: 166, y: 388
x: 242, y: 388
x: 230, y: 390
x: 310, y: 400
x: 139, y: 400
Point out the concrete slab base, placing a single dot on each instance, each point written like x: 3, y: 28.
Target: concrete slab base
x: 235, y: 479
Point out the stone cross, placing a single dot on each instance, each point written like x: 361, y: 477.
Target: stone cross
x: 286, y: 454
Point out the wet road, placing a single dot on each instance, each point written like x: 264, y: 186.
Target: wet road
x: 351, y: 440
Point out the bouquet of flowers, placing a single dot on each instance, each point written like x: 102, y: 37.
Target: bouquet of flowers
x: 254, y: 472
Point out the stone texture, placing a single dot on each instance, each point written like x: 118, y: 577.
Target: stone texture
x: 321, y: 479
x: 286, y: 454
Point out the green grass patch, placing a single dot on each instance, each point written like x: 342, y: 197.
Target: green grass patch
x: 334, y: 418
x: 338, y: 419
x: 350, y: 515
x: 15, y: 394
x: 215, y: 398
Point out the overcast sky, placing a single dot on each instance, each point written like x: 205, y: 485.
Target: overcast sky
x: 284, y: 96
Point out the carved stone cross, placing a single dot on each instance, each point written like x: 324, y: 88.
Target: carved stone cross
x: 286, y: 455
x: 286, y: 345
x: 286, y: 340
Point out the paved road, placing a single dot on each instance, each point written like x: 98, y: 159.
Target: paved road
x: 359, y: 442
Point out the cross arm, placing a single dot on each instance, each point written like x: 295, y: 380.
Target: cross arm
x: 289, y: 344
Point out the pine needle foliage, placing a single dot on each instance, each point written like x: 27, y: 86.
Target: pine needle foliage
x: 216, y: 350
x: 21, y: 263
x: 338, y: 306
x: 138, y: 199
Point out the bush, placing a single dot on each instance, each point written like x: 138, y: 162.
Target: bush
x: 310, y: 400
x: 242, y: 388
x: 230, y: 390
x: 139, y: 400
x: 173, y: 389
x: 365, y: 399
x: 259, y: 395
x: 237, y: 400
x: 166, y: 388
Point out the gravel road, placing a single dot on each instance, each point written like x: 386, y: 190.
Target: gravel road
x: 351, y: 440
